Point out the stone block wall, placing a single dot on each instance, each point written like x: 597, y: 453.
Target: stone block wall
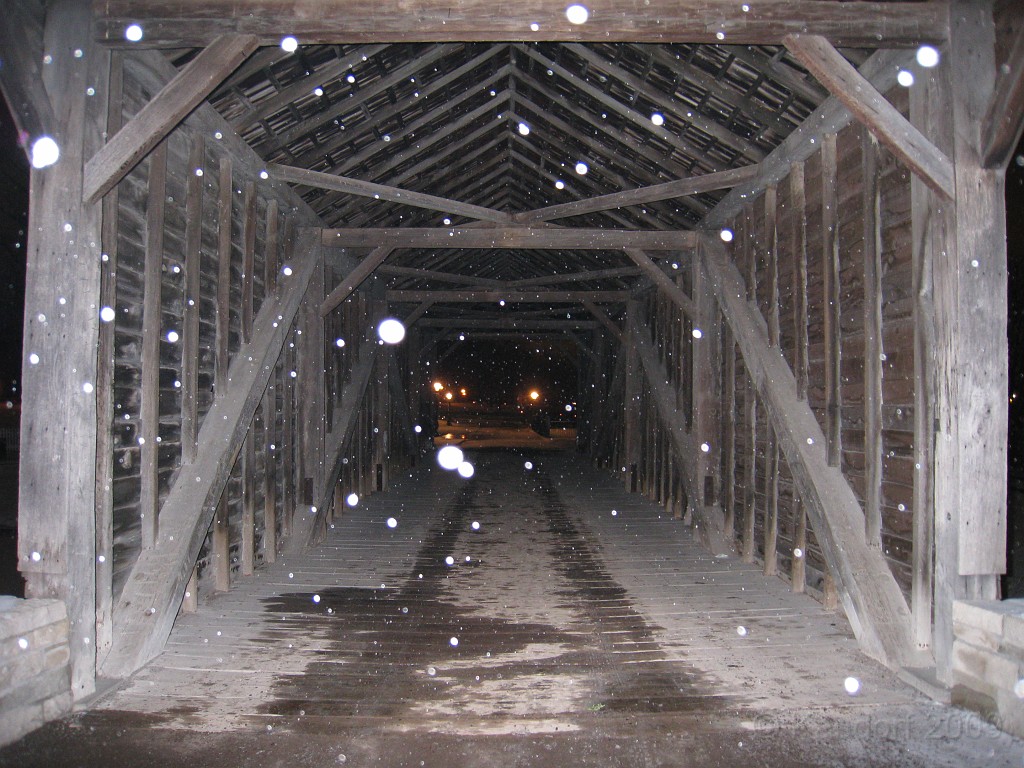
x: 988, y: 661
x: 35, y: 676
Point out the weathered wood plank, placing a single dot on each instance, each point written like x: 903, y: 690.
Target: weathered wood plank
x: 798, y: 565
x: 57, y: 481
x: 220, y: 543
x: 170, y: 106
x: 270, y: 464
x: 21, y: 75
x: 871, y: 206
x: 512, y: 238
x: 871, y: 598
x: 830, y: 293
x: 873, y: 110
x: 149, y: 408
x: 767, y: 22
x: 771, y: 521
x: 248, y: 259
x: 247, y: 553
x: 729, y: 423
x: 667, y: 191
x: 510, y: 297
x: 375, y: 191
x: 154, y: 591
x: 192, y: 266
x: 797, y: 199
x: 771, y: 238
x: 223, y: 320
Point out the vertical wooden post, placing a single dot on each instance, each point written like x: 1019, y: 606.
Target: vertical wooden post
x: 771, y: 518
x: 829, y: 594
x: 797, y: 199
x: 871, y: 205
x: 771, y: 236
x: 971, y: 355
x: 248, y: 523
x: 288, y: 446
x: 248, y: 259
x: 57, y: 482
x: 729, y: 349
x: 105, y: 387
x: 630, y: 399
x: 190, y: 603
x: 149, y: 429
x: 221, y: 546
x: 798, y: 565
x: 223, y: 274
x: 190, y: 324
x: 830, y: 271
x: 270, y: 453
x: 749, y: 471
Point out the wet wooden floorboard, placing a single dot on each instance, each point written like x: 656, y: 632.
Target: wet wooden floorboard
x: 569, y: 621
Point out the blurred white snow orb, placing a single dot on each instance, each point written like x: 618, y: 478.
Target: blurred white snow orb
x: 577, y: 14
x: 392, y: 523
x: 454, y: 641
x: 726, y: 235
x: 905, y: 78
x: 45, y: 152
x: 352, y: 499
x: 658, y: 119
x: 927, y: 56
x: 465, y: 469
x: 450, y: 457
x: 391, y: 331
x: 581, y: 168
x: 528, y: 465
x: 289, y: 44
x: 133, y: 33
x: 852, y: 685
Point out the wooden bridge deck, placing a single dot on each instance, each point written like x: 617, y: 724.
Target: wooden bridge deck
x: 591, y: 628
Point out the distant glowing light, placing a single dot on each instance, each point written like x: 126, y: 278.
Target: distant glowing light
x: 927, y: 56
x: 905, y: 78
x: 465, y: 469
x: 448, y: 395
x: 450, y: 457
x: 577, y: 14
x: 438, y: 386
x: 352, y: 499
x: 524, y: 129
x: 392, y: 523
x: 391, y: 331
x: 534, y: 394
x: 657, y: 118
x: 45, y: 152
x: 289, y: 44
x: 852, y: 685
x: 726, y: 235
x: 581, y: 168
x: 133, y: 33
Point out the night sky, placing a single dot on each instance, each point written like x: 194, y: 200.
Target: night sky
x: 13, y: 223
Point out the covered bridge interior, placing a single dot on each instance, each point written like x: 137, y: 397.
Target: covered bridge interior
x: 773, y: 232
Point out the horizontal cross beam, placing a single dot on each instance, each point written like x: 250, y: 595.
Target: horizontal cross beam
x: 510, y: 238
x: 667, y: 191
x: 509, y: 297
x: 764, y: 22
x: 384, y: 192
x: 511, y: 324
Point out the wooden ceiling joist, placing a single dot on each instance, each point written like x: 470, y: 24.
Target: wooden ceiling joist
x: 509, y: 297
x: 506, y: 238
x: 766, y: 22
x: 169, y: 107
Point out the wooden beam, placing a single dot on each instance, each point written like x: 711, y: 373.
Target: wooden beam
x: 873, y: 110
x: 510, y: 297
x: 1004, y: 120
x: 507, y: 238
x: 867, y: 24
x: 384, y: 192
x: 831, y: 289
x: 162, y: 114
x: 21, y: 76
x: 871, y: 204
x: 667, y: 191
x: 880, y: 70
x: 573, y: 277
x: 153, y: 592
x: 354, y: 279
x: 602, y: 317
x: 193, y: 263
x: 798, y: 203
x: 520, y: 325
x: 437, y: 275
x: 873, y: 601
x: 663, y: 281
x: 149, y: 408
